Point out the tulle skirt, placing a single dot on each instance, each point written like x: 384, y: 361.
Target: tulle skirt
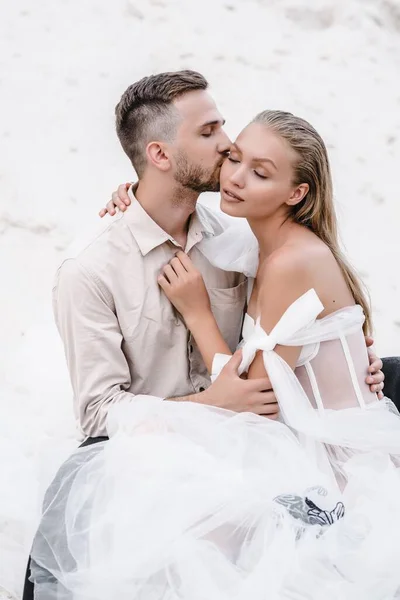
x: 192, y: 502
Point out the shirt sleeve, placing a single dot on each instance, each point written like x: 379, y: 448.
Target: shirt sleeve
x: 92, y: 339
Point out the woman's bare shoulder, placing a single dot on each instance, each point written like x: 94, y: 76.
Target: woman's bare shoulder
x: 296, y: 268
x: 300, y: 257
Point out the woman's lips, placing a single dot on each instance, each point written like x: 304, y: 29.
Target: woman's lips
x: 231, y: 196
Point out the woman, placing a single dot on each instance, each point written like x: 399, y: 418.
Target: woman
x: 188, y: 501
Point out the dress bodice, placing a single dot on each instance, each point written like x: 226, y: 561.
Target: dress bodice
x: 331, y: 369
x: 307, y: 352
x: 332, y: 365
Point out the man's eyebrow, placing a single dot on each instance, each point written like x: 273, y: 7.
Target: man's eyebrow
x: 212, y: 123
x: 258, y: 159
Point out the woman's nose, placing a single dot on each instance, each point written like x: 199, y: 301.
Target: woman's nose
x: 238, y: 178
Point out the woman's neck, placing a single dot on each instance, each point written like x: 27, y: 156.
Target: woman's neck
x: 272, y: 233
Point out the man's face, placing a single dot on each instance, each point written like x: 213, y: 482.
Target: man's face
x: 201, y: 144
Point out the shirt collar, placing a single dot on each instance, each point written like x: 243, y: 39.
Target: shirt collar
x: 149, y: 235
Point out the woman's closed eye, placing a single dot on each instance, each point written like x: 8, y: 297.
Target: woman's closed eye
x: 237, y: 161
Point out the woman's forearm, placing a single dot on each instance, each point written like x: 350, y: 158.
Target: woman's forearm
x: 208, y: 337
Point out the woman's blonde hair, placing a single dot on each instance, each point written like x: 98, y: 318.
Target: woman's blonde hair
x: 316, y: 211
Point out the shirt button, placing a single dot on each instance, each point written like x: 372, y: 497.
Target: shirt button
x: 201, y: 389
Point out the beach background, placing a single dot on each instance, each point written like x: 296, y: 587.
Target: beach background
x: 64, y: 65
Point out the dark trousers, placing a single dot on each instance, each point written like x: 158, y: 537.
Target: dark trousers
x: 29, y: 588
x: 391, y: 369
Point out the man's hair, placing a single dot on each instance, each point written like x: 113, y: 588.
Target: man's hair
x: 145, y: 112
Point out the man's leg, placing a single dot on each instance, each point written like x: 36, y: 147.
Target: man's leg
x: 28, y: 593
x: 391, y: 369
x: 28, y: 585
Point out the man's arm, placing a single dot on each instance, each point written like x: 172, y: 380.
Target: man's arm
x: 231, y: 392
x: 92, y: 340
x: 98, y: 368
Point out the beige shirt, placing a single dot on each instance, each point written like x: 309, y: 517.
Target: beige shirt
x: 121, y: 334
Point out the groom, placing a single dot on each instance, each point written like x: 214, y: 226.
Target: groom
x: 121, y: 336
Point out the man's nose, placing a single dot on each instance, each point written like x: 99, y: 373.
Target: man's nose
x: 224, y: 144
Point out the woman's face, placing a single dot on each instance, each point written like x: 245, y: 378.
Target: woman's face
x: 257, y: 178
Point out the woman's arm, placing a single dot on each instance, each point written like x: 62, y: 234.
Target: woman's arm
x: 183, y: 285
x: 208, y: 337
x: 282, y: 281
x: 287, y: 277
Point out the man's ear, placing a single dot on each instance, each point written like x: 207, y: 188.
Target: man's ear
x: 298, y: 194
x: 157, y: 155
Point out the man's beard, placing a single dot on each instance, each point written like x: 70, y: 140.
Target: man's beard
x: 196, y: 178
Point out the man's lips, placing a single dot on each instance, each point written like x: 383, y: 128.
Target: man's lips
x: 231, y: 196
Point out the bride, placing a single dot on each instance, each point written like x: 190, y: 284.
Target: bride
x: 188, y: 501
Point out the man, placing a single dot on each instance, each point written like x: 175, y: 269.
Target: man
x: 121, y: 335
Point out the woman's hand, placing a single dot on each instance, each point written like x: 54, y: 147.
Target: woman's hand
x: 375, y: 378
x: 119, y: 200
x: 183, y: 285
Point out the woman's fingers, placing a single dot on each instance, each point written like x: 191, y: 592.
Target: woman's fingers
x: 185, y: 260
x: 170, y: 274
x: 119, y: 200
x: 178, y: 266
x: 122, y: 194
x: 369, y: 341
x: 377, y: 388
x: 376, y: 365
x: 112, y: 204
x: 378, y: 377
x: 163, y: 282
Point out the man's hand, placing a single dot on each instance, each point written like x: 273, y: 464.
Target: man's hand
x: 119, y: 199
x: 376, y: 377
x: 231, y: 392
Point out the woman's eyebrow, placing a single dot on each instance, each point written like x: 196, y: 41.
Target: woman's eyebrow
x: 265, y: 160
x: 257, y: 159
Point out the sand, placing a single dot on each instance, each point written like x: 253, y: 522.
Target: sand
x: 64, y: 65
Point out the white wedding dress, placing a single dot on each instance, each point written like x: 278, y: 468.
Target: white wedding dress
x: 191, y: 502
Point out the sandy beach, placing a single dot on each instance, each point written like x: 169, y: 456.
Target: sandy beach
x: 64, y: 65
